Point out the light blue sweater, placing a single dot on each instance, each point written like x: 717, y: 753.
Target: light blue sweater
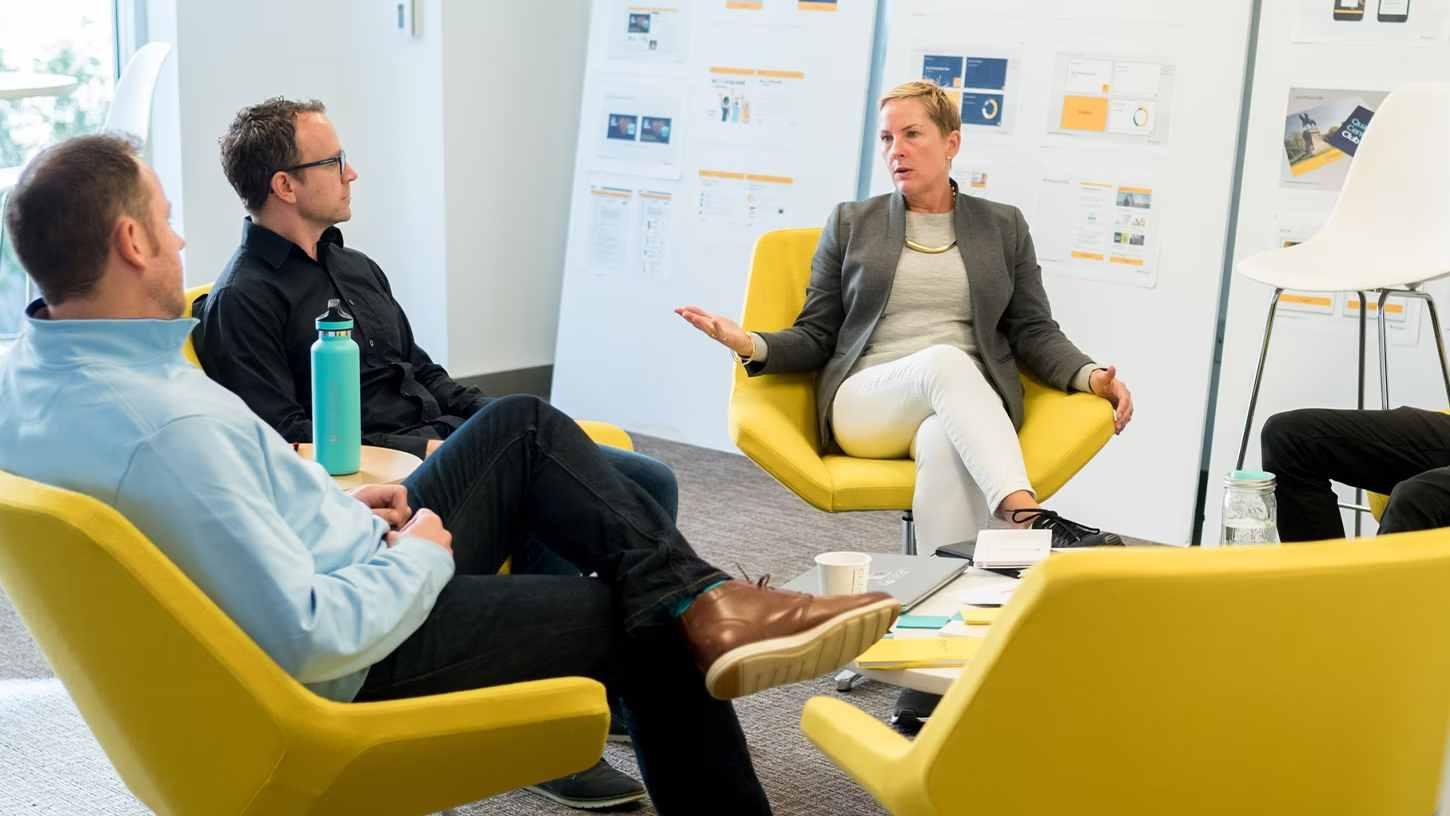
x: 111, y: 409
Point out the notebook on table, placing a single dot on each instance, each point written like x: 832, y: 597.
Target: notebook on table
x: 909, y: 579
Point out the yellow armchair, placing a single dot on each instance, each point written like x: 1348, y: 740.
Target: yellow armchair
x: 1308, y: 678
x: 773, y: 418
x: 198, y: 720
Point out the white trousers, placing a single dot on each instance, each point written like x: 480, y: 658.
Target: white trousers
x: 937, y: 407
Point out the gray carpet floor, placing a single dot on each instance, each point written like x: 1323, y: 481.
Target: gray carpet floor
x: 735, y: 516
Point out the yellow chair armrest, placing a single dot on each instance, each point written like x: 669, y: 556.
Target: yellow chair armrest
x: 762, y: 430
x: 859, y: 744
x: 427, y: 753
x: 604, y: 433
x: 1061, y: 434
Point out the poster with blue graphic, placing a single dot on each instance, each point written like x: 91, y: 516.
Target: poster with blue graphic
x: 945, y: 71
x: 981, y: 109
x: 976, y: 80
x: 986, y: 72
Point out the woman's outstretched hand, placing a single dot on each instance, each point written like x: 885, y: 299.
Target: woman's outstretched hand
x: 1105, y: 383
x: 724, y: 330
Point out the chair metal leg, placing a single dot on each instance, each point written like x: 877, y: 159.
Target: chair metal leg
x: 1384, y: 352
x: 1439, y: 340
x: 908, y: 533
x: 1258, y: 378
x: 1359, y: 402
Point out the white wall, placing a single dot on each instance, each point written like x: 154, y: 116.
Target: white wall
x: 462, y: 138
x: 1311, y: 362
x: 1160, y: 338
x: 511, y: 88
x: 383, y: 92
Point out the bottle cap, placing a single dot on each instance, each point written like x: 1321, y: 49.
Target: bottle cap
x: 1250, y: 478
x: 334, y: 319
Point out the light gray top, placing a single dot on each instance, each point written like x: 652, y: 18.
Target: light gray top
x: 929, y: 304
x: 852, y: 274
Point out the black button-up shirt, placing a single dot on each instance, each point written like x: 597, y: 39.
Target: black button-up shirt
x: 257, y: 330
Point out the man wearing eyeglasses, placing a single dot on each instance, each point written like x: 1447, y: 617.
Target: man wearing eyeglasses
x: 286, y: 162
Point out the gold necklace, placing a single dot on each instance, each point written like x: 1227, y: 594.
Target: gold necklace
x: 923, y: 248
x: 910, y: 244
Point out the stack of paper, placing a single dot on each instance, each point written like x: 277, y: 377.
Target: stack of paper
x: 1011, y: 549
x: 918, y: 653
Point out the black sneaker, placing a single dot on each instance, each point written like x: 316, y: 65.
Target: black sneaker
x: 598, y: 787
x: 1065, y: 532
x: 912, y: 709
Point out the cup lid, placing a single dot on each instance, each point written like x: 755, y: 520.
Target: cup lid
x: 1249, y: 478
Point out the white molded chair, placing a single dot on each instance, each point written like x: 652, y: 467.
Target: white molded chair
x: 1389, y: 231
x: 130, y: 113
x: 136, y: 89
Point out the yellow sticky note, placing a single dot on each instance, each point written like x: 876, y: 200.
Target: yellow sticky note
x: 979, y: 616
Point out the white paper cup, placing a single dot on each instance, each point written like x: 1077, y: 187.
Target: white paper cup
x: 843, y: 573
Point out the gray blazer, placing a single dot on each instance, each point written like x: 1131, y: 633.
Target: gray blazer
x: 851, y: 277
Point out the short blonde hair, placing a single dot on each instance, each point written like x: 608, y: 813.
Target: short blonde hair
x: 939, y: 107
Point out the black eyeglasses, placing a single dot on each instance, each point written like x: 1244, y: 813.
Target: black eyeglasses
x: 340, y: 159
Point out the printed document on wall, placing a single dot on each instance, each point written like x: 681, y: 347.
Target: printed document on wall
x: 734, y: 208
x: 609, y: 209
x: 1322, y: 129
x: 1098, y: 228
x: 654, y: 32
x: 656, y: 236
x: 1112, y: 99
x: 1402, y: 316
x: 752, y: 107
x: 1371, y: 21
x: 638, y: 130
x: 980, y: 80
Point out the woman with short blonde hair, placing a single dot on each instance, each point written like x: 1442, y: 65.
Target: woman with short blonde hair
x: 921, y: 306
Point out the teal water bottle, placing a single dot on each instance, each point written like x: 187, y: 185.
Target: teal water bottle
x: 336, y: 403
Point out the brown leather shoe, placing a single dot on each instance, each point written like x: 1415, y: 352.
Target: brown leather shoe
x: 747, y: 638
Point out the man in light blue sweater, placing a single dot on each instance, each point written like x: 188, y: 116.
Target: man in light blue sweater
x: 374, y: 595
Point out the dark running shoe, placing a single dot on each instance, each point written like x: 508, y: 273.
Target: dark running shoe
x: 1065, y: 532
x: 912, y: 709
x: 598, y: 787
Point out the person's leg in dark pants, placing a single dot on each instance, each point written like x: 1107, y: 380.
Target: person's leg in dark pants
x: 1419, y: 503
x: 658, y: 480
x: 524, y: 472
x: 520, y: 469
x: 656, y: 477
x: 489, y: 630
x: 1373, y: 450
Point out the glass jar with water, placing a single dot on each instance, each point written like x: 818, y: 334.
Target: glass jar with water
x: 1250, y: 513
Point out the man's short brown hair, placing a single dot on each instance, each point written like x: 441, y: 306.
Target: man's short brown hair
x: 64, y: 208
x: 261, y: 140
x: 939, y: 107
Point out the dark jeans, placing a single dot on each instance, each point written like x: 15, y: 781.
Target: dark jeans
x: 651, y: 474
x: 658, y: 481
x: 529, y: 472
x: 1404, y: 453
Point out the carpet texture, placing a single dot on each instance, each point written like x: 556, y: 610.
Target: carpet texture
x: 734, y: 515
